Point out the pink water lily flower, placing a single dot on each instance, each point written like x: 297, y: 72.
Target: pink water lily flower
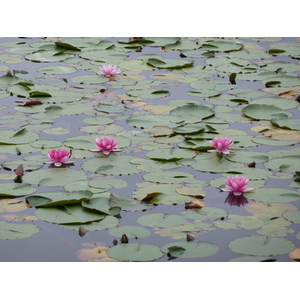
x: 58, y: 157
x: 109, y: 70
x: 237, y: 185
x: 221, y: 144
x: 106, y: 145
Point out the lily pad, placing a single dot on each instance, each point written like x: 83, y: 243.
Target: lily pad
x: 191, y: 249
x: 12, y: 205
x: 58, y: 198
x: 170, y: 154
x: 274, y: 195
x: 261, y: 245
x: 111, y: 165
x: 265, y: 112
x: 11, y: 231
x: 13, y: 190
x: 160, y: 220
x: 69, y: 214
x: 135, y: 252
x: 292, y: 215
x: 54, y: 176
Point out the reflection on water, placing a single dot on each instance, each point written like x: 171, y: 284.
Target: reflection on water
x: 233, y: 200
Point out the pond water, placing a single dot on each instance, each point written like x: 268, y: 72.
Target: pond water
x: 172, y: 94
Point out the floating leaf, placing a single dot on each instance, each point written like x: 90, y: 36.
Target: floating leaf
x: 264, y: 112
x: 170, y: 154
x: 11, y: 231
x: 54, y: 176
x: 111, y: 165
x: 58, y: 198
x: 284, y: 164
x: 73, y: 213
x: 105, y: 223
x: 274, y: 195
x: 160, y: 220
x: 135, y: 252
x: 12, y: 205
x: 261, y: 246
x: 292, y: 215
x: 200, y: 111
x: 13, y: 190
x: 191, y: 249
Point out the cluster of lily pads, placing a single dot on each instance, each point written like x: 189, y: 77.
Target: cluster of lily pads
x: 159, y: 135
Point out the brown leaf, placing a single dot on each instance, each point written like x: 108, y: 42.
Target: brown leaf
x: 189, y: 238
x: 194, y: 204
x: 18, y: 179
x: 251, y: 165
x: 82, y: 231
x: 32, y: 102
x: 19, y: 170
x: 295, y: 254
x: 124, y: 239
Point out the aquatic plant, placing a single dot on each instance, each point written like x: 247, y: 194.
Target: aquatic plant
x: 237, y: 185
x: 221, y: 144
x: 109, y: 70
x: 105, y: 144
x: 58, y: 157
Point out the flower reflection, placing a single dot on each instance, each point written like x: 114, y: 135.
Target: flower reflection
x: 233, y: 200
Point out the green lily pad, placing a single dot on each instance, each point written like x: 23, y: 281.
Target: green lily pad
x: 274, y: 195
x: 169, y: 63
x: 292, y: 215
x: 27, y: 165
x: 47, y: 56
x: 264, y: 112
x: 169, y: 177
x: 284, y: 164
x: 111, y: 165
x: 160, y: 220
x: 16, y: 137
x: 135, y: 252
x: 11, y: 231
x: 54, y: 176
x: 289, y: 123
x: 205, y: 213
x: 192, y: 249
x: 57, y: 198
x: 240, y: 222
x: 64, y: 69
x: 69, y: 214
x: 252, y: 259
x: 261, y: 245
x: 105, y: 223
x: 170, y: 154
x: 200, y: 111
x: 13, y: 190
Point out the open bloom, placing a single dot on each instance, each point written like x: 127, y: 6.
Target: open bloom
x: 105, y: 144
x: 221, y: 144
x: 237, y: 185
x: 58, y: 157
x: 109, y: 70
